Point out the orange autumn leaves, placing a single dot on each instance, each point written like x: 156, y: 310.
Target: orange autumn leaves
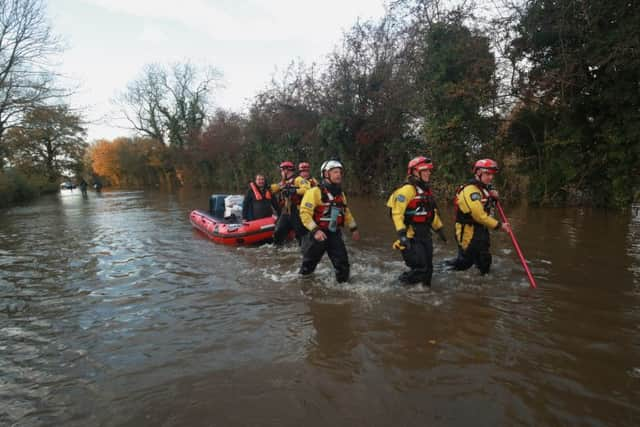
x: 128, y: 161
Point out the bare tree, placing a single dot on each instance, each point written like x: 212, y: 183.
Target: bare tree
x: 169, y: 103
x: 26, y: 45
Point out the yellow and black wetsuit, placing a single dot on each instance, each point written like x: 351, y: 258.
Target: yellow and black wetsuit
x: 289, y: 193
x: 473, y: 220
x: 325, y: 208
x: 414, y: 214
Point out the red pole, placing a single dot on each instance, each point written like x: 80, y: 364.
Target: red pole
x: 515, y: 244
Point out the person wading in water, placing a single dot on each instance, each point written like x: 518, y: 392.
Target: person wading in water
x: 289, y: 191
x: 414, y: 214
x: 473, y: 203
x: 324, y: 212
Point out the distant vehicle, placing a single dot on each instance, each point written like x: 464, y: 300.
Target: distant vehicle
x: 66, y: 185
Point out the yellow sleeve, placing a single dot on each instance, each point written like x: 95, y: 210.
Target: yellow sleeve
x: 437, y: 222
x: 475, y: 207
x: 398, y: 202
x: 275, y: 188
x: 349, y: 220
x: 311, y: 199
x: 302, y: 185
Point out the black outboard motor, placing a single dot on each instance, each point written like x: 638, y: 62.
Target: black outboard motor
x: 216, y: 205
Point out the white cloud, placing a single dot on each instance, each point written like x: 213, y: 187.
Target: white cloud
x: 152, y: 34
x: 110, y: 41
x: 272, y: 20
x: 193, y: 14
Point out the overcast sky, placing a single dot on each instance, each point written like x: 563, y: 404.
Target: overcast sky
x: 109, y: 41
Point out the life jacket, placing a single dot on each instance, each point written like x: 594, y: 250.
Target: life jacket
x: 421, y: 208
x: 322, y: 212
x: 288, y: 184
x: 466, y: 218
x: 258, y: 194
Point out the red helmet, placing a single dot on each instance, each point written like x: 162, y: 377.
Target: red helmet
x: 287, y: 165
x: 419, y: 163
x: 304, y: 166
x: 487, y: 165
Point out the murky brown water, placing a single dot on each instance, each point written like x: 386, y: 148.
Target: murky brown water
x: 113, y: 311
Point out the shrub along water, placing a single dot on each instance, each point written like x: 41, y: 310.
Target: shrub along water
x: 16, y: 187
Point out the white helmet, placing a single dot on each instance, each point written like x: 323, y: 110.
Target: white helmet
x: 328, y: 165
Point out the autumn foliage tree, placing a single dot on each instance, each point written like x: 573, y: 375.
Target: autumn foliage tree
x: 51, y: 139
x: 219, y: 153
x: 131, y: 161
x: 105, y: 160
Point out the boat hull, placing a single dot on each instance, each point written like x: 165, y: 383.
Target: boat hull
x: 233, y: 233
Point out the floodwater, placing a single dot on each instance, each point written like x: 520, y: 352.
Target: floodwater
x: 115, y: 312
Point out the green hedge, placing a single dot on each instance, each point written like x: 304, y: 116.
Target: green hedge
x: 16, y: 187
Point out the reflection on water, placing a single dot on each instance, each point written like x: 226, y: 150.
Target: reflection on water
x: 334, y: 339
x: 113, y: 311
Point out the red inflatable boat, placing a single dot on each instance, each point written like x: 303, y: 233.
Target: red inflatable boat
x: 233, y: 233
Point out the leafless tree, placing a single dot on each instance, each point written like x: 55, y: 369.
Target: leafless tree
x: 169, y: 103
x: 27, y: 45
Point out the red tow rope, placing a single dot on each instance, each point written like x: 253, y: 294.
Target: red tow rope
x: 515, y: 244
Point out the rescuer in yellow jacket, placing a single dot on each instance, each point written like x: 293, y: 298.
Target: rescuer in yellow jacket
x: 324, y: 212
x: 473, y: 203
x: 289, y: 192
x: 304, y: 170
x: 415, y: 214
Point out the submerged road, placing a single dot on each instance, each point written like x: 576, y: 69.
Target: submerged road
x: 114, y: 312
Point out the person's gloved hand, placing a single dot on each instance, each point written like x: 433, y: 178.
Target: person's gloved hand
x: 403, y: 242
x: 506, y: 227
x: 440, y: 234
x: 397, y: 245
